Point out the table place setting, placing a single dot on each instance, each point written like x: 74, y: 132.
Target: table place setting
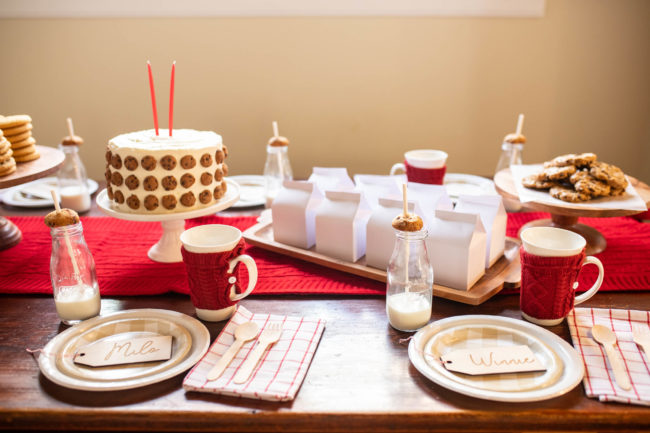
x: 258, y: 356
x: 561, y: 367
x: 267, y: 360
x: 59, y: 359
x: 612, y: 344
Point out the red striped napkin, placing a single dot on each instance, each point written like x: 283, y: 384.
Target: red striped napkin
x: 599, y: 378
x: 281, y: 370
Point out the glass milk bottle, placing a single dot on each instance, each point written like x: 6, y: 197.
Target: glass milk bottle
x: 72, y: 178
x: 72, y: 271
x: 511, y: 150
x: 409, y: 282
x: 277, y: 167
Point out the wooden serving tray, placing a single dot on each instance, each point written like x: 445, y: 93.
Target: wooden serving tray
x: 506, y: 271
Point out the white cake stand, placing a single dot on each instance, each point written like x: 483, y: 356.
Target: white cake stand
x: 168, y: 248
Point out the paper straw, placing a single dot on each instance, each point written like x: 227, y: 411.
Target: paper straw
x: 70, y: 127
x: 520, y: 124
x: 67, y: 239
x: 153, y: 98
x: 171, y: 99
x: 408, y: 246
x: 280, y: 166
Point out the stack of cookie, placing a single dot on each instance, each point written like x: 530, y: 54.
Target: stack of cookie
x: 7, y: 163
x: 18, y: 130
x: 577, y: 178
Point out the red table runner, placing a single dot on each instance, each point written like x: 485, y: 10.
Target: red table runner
x: 123, y: 268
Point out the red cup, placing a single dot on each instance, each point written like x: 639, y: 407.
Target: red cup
x: 423, y: 166
x: 551, y: 260
x: 212, y: 254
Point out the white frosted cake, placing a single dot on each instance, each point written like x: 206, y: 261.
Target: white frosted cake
x: 151, y: 174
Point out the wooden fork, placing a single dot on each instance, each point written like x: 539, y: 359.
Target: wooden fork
x: 641, y: 336
x: 269, y: 336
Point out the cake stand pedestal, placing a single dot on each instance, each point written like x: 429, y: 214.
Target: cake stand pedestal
x: 49, y: 162
x: 565, y: 216
x: 168, y: 247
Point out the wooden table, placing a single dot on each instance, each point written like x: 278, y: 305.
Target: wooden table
x: 360, y: 379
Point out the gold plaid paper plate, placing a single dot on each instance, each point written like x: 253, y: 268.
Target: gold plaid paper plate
x: 481, y: 336
x: 115, y: 330
x: 564, y: 369
x: 191, y: 339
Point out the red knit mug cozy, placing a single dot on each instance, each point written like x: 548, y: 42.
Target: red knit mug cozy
x: 208, y: 277
x: 547, y: 284
x: 431, y: 176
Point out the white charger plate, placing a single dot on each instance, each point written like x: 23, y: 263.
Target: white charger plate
x: 119, y: 329
x: 15, y: 197
x: 467, y: 184
x: 572, y: 368
x: 252, y: 190
x: 481, y: 336
x: 51, y: 358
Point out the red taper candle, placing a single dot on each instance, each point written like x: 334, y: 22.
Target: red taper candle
x: 171, y: 99
x: 153, y: 98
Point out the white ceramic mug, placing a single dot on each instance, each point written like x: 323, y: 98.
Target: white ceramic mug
x: 215, y: 240
x: 556, y: 242
x: 422, y: 158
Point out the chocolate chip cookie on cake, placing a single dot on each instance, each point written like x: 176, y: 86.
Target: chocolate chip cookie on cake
x: 152, y: 174
x: 18, y: 131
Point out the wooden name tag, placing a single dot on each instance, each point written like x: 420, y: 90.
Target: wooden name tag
x: 125, y: 351
x: 492, y: 360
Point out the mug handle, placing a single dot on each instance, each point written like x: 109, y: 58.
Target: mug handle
x: 395, y: 167
x: 591, y: 292
x: 252, y: 276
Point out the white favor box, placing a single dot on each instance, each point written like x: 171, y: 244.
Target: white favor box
x: 430, y: 198
x: 332, y: 179
x: 380, y: 234
x: 374, y: 186
x: 456, y: 245
x: 341, y: 225
x: 494, y: 219
x: 294, y: 213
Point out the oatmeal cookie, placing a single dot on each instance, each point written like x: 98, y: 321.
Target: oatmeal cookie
x: 610, y: 174
x: 558, y: 173
x: 568, y: 194
x: 537, y: 181
x: 579, y: 160
x: 584, y: 182
x: 593, y: 187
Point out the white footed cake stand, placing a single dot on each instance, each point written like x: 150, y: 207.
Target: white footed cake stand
x: 168, y: 248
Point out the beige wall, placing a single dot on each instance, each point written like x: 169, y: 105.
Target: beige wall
x: 354, y: 92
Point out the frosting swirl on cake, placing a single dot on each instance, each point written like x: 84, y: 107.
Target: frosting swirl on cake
x: 181, y: 139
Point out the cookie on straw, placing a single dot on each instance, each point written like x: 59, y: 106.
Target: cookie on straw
x: 62, y: 217
x: 407, y: 222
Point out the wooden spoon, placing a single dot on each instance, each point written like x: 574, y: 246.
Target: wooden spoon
x: 607, y: 339
x: 243, y: 333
